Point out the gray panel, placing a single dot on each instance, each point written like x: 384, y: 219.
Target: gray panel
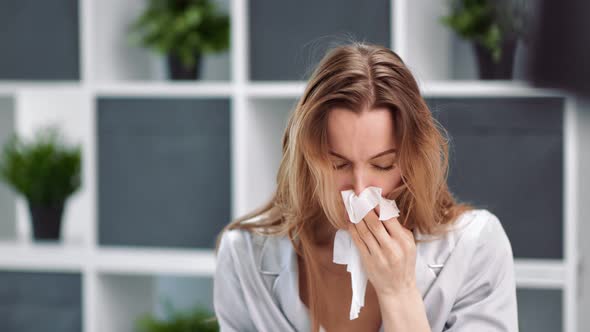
x: 288, y: 38
x: 7, y: 195
x: 539, y: 310
x: 35, y: 301
x: 185, y: 293
x: 164, y: 171
x: 39, y: 40
x: 507, y: 155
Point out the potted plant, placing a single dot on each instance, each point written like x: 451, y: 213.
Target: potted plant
x: 183, y: 30
x: 494, y: 28
x: 198, y: 319
x: 46, y: 172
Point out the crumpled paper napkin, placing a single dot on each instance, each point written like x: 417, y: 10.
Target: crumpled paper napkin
x: 346, y: 252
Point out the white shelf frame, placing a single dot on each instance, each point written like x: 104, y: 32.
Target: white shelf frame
x: 530, y: 273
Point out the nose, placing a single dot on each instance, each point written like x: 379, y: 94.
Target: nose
x: 360, y: 181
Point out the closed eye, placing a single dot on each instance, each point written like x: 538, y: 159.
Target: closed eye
x: 378, y: 168
x: 340, y: 166
x: 384, y: 168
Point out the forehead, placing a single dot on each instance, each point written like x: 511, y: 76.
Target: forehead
x: 370, y: 131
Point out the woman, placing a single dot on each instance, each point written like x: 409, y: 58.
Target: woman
x: 440, y: 266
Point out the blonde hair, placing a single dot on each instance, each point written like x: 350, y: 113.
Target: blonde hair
x: 355, y: 76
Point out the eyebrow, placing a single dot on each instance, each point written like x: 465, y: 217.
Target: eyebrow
x: 373, y: 157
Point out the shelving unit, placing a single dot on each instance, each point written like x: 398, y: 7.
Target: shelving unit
x: 249, y: 94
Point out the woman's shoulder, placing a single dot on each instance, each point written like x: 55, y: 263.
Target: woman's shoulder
x: 260, y: 249
x: 471, y: 222
x: 255, y: 252
x: 238, y: 240
x: 468, y: 277
x: 245, y: 239
x: 491, y: 240
x: 481, y: 226
x: 472, y: 231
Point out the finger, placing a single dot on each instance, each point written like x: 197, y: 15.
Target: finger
x: 403, y: 235
x: 366, y: 236
x: 390, y: 243
x: 377, y: 227
x: 360, y: 244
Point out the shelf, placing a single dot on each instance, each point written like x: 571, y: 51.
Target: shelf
x: 13, y: 87
x: 538, y: 273
x: 434, y: 88
x: 434, y: 51
x: 123, y: 298
x: 477, y: 88
x: 278, y: 89
x: 47, y: 257
x: 69, y: 110
x: 121, y: 260
x: 113, y: 58
x: 164, y: 89
x: 57, y: 257
x: 265, y: 121
x: 161, y: 261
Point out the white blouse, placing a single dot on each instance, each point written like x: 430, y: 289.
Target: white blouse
x: 466, y: 279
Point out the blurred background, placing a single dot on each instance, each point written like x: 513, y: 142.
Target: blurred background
x: 133, y: 131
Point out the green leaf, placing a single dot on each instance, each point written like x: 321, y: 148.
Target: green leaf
x: 473, y: 19
x: 196, y: 319
x: 44, y: 170
x: 182, y: 28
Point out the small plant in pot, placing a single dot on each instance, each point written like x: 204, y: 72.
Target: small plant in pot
x: 46, y: 172
x: 183, y: 30
x: 494, y: 27
x: 198, y: 319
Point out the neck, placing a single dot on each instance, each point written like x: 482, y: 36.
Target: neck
x: 323, y: 249
x: 324, y: 235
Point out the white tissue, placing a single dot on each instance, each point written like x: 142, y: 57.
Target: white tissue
x: 346, y: 252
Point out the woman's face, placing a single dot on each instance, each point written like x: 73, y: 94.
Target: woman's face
x: 363, y: 149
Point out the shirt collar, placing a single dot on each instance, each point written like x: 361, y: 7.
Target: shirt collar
x: 274, y: 255
x: 277, y: 250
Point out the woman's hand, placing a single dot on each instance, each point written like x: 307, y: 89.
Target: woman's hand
x: 388, y: 252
